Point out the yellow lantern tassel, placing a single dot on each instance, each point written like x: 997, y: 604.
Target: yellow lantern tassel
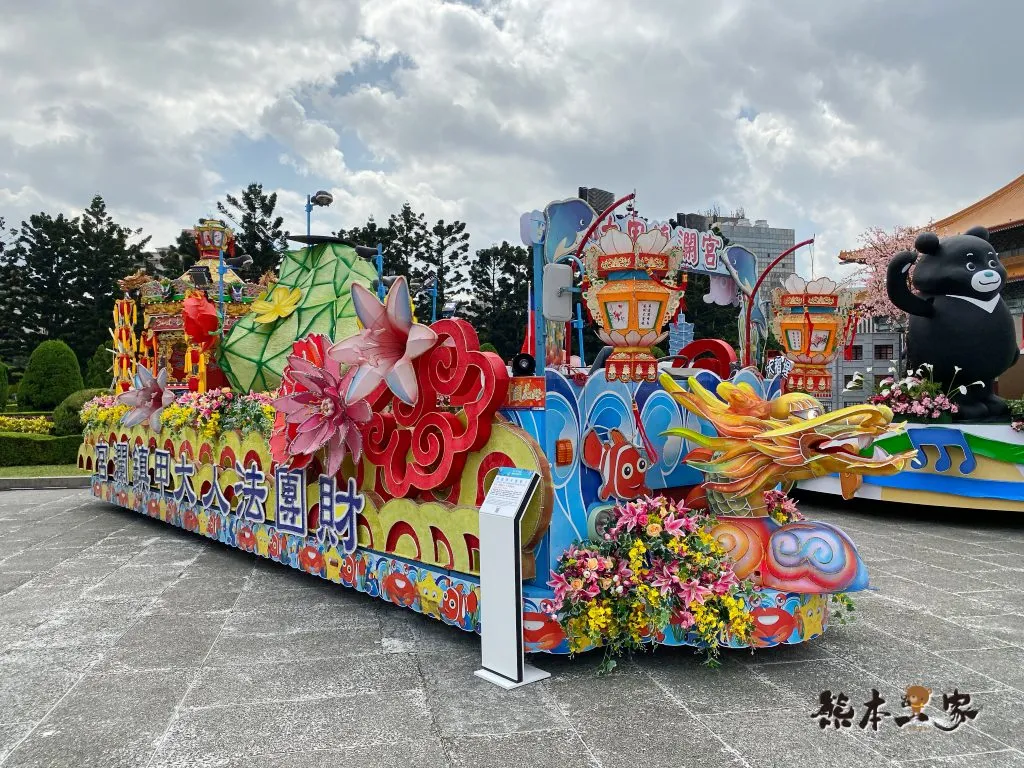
x: 202, y: 372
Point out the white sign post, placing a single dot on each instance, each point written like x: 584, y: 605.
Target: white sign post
x: 503, y: 657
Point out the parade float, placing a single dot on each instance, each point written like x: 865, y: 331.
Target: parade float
x: 357, y: 444
x: 967, y: 448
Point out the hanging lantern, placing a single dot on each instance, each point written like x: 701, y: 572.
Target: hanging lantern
x: 212, y: 237
x: 812, y: 322
x: 630, y: 295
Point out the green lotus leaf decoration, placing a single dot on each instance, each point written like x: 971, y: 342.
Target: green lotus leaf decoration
x: 254, y: 354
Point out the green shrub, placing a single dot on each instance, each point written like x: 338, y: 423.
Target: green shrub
x: 97, y: 370
x: 18, y: 450
x: 66, y: 419
x: 5, y: 387
x: 488, y: 347
x: 51, y: 375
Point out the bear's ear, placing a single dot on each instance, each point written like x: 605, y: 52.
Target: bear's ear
x: 927, y: 243
x: 978, y: 232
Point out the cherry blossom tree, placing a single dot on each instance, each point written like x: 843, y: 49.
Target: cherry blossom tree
x: 878, y: 247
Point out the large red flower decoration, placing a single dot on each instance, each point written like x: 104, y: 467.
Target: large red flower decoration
x: 424, y: 446
x: 312, y: 349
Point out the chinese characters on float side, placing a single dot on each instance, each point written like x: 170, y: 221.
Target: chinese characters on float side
x: 338, y: 510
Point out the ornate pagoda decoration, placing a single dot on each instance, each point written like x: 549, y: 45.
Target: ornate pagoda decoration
x: 812, y: 321
x: 164, y: 341
x: 634, y: 288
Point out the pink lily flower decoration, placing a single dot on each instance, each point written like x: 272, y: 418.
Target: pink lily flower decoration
x: 321, y: 414
x: 673, y: 525
x: 693, y: 592
x: 724, y: 582
x: 384, y: 350
x: 147, y: 399
x: 561, y: 586
x: 667, y: 578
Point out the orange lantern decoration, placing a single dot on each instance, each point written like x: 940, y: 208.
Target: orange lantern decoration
x: 811, y: 320
x: 631, y: 296
x: 125, y: 344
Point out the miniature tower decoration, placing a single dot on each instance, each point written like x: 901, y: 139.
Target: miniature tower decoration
x: 634, y: 288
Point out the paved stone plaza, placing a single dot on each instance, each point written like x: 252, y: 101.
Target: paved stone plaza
x: 125, y: 642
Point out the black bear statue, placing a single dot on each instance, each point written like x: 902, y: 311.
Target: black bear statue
x: 959, y: 323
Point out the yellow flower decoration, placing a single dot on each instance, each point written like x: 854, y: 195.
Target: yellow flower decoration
x: 278, y: 305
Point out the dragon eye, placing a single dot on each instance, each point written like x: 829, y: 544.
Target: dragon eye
x: 970, y: 266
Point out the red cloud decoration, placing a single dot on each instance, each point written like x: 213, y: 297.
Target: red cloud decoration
x: 424, y: 446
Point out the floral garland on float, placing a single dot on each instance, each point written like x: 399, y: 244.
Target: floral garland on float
x: 657, y: 569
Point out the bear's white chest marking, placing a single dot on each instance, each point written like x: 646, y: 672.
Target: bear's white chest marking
x: 988, y: 305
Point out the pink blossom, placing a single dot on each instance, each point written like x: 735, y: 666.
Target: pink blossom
x: 693, y: 592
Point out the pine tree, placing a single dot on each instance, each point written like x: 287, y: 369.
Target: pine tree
x: 45, y: 260
x: 12, y: 290
x: 257, y: 230
x: 178, y: 257
x: 371, y: 235
x: 407, y: 250
x: 104, y: 253
x: 445, y: 257
x: 499, y: 277
x: 67, y: 271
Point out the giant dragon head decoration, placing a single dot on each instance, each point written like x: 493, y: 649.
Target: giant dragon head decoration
x: 762, y: 443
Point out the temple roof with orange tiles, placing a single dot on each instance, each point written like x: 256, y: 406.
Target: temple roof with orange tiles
x: 1003, y: 209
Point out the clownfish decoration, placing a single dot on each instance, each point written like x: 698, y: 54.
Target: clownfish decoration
x: 622, y: 466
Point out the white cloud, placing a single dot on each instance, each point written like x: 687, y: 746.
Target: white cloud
x: 823, y: 117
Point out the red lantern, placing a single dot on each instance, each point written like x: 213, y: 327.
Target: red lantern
x: 199, y: 320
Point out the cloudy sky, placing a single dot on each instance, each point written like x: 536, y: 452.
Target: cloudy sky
x: 826, y: 117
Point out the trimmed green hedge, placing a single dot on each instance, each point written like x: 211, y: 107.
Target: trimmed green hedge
x: 66, y: 419
x: 18, y: 450
x: 51, y: 375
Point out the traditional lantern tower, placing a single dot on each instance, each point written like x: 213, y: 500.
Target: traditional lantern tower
x: 812, y: 322
x: 632, y: 292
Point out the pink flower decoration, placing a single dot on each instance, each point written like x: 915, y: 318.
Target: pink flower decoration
x: 147, y: 399
x: 387, y: 345
x: 320, y: 413
x: 693, y: 592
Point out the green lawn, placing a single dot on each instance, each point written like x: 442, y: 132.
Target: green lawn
x: 43, y: 470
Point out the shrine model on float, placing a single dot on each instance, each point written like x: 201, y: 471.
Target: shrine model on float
x: 355, y: 443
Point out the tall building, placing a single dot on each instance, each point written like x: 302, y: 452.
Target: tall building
x: 877, y: 346
x: 599, y: 199
x: 765, y: 242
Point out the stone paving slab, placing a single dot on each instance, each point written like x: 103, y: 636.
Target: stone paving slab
x: 125, y: 642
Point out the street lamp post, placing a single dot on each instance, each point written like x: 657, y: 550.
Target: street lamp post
x: 321, y: 199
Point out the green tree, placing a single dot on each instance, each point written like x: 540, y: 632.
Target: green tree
x: 499, y: 277
x: 445, y: 258
x: 67, y: 271
x: 104, y: 253
x: 258, y: 230
x: 97, y: 370
x: 407, y: 250
x: 179, y: 256
x: 5, y: 388
x: 51, y: 375
x: 710, y: 321
x: 405, y: 239
x: 12, y: 302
